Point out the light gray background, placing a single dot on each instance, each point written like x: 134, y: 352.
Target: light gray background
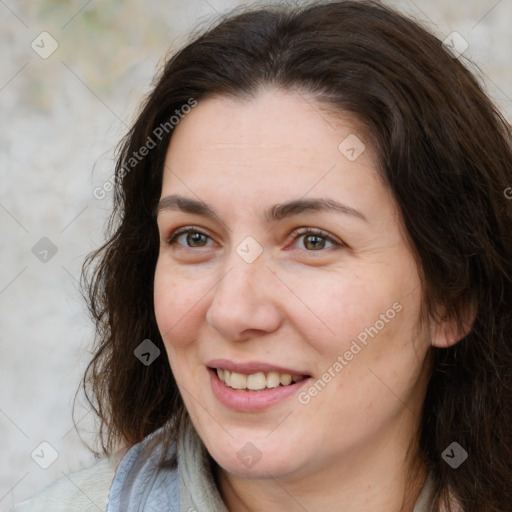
x: 61, y: 118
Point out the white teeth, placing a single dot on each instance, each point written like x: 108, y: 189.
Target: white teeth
x: 256, y: 381
x: 273, y: 380
x: 238, y: 380
x: 285, y: 379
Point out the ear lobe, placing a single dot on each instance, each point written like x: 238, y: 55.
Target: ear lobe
x: 446, y: 332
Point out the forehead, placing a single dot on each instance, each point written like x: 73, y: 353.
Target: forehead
x: 275, y: 147
x: 274, y: 131
x: 270, y: 118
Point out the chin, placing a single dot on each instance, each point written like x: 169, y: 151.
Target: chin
x: 260, y: 470
x: 248, y: 459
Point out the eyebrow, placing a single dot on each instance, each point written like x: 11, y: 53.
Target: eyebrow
x: 273, y: 214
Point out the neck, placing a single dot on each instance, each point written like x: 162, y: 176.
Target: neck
x: 369, y: 479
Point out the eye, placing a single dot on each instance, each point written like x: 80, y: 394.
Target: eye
x: 191, y: 237
x: 316, y: 239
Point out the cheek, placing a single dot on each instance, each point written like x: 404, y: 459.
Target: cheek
x: 177, y: 306
x: 165, y: 290
x: 337, y: 309
x: 175, y: 303
x: 375, y: 310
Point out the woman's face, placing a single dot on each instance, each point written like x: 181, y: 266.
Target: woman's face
x: 249, y: 289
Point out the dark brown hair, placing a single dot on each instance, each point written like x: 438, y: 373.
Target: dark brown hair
x: 445, y: 154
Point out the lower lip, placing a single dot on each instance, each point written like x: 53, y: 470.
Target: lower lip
x: 250, y: 401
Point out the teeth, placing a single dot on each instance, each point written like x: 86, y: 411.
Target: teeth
x: 237, y: 380
x: 285, y: 379
x: 273, y: 380
x: 256, y: 381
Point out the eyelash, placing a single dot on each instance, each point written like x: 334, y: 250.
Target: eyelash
x: 298, y: 233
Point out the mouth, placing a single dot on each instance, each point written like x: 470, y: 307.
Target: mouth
x: 253, y: 386
x: 258, y: 381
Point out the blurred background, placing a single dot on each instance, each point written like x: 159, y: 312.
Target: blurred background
x: 72, y: 77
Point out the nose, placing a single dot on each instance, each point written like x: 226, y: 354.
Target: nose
x: 245, y: 301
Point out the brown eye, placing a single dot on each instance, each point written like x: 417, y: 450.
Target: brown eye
x: 195, y: 239
x: 314, y: 242
x: 190, y: 238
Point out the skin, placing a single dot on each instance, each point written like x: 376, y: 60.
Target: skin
x: 296, y: 306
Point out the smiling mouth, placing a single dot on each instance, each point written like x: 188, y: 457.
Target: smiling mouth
x: 259, y: 381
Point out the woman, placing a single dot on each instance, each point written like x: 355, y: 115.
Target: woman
x: 304, y: 302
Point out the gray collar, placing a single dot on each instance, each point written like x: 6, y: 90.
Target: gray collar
x: 198, y: 491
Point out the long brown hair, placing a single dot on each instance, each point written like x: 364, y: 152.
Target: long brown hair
x: 445, y: 154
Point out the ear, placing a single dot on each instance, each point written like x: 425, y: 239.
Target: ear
x: 446, y: 331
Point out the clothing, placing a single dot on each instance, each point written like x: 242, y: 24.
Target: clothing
x: 82, y: 491
x: 138, y: 486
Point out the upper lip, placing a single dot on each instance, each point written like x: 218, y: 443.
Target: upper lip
x: 250, y: 367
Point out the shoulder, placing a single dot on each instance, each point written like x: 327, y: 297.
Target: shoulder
x: 143, y: 481
x: 82, y: 491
